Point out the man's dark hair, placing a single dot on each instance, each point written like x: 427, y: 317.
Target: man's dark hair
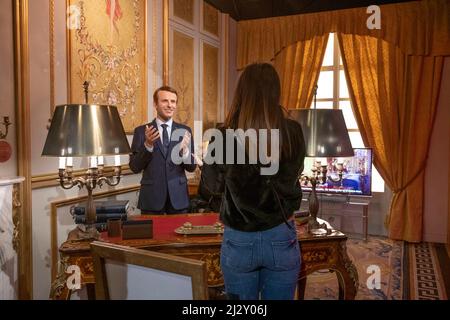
x: 163, y: 88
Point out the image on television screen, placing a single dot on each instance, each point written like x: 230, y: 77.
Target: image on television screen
x: 356, y: 173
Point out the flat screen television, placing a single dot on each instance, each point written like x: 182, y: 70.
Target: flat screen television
x: 356, y: 174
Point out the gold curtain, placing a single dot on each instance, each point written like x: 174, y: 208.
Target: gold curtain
x: 298, y: 66
x: 416, y: 27
x: 393, y: 74
x: 394, y: 99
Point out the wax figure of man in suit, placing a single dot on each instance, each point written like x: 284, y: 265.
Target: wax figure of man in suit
x: 163, y: 149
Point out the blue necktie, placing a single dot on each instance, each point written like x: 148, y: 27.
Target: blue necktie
x: 165, y: 138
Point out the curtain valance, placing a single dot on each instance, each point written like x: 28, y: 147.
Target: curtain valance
x: 417, y: 28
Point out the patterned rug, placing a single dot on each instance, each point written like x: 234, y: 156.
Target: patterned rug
x: 407, y: 271
x: 426, y: 274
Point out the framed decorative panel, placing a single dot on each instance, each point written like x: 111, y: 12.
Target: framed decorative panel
x: 108, y: 49
x: 181, y: 76
x: 210, y: 85
x: 210, y: 19
x: 184, y: 9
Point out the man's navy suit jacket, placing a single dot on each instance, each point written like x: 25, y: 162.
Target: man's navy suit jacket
x: 161, y: 178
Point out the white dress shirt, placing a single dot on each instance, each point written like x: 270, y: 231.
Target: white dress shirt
x: 160, y: 128
x: 159, y: 122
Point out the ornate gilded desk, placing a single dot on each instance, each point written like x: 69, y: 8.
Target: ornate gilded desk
x: 318, y: 252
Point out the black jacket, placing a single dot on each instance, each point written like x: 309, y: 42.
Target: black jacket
x: 251, y: 201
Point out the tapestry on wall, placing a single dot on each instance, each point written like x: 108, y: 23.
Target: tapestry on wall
x: 107, y: 48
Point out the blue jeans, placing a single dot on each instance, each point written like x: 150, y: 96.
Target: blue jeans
x: 263, y: 264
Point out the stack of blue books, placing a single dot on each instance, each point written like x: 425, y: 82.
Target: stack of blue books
x: 105, y: 210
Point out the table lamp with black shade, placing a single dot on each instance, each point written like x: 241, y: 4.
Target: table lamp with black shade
x: 85, y: 130
x: 325, y: 135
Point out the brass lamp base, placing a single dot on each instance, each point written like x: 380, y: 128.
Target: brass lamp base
x: 313, y: 223
x: 314, y: 227
x: 88, y: 231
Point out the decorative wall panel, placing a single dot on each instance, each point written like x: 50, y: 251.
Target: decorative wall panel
x: 182, y: 77
x: 210, y: 19
x: 210, y: 85
x: 184, y: 9
x: 107, y: 47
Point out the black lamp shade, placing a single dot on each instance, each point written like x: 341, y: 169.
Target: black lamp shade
x: 325, y: 132
x: 79, y: 130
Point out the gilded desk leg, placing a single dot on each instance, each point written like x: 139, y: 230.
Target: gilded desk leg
x: 90, y: 288
x: 59, y: 289
x: 16, y: 217
x: 215, y: 277
x: 347, y: 275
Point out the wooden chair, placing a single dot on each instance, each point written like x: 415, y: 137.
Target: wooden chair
x: 123, y: 272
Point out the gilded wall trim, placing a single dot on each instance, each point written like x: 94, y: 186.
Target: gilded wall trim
x: 155, y: 19
x: 144, y: 117
x: 69, y: 201
x: 23, y: 138
x: 226, y: 52
x: 52, y: 179
x: 68, y: 59
x: 16, y: 216
x: 51, y: 43
x: 165, y: 42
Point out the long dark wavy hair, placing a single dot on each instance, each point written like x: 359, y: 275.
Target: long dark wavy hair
x: 256, y: 104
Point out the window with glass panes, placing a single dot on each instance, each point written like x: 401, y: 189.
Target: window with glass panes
x: 332, y: 93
